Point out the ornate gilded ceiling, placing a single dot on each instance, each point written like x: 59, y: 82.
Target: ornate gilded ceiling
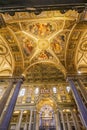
x: 48, y: 45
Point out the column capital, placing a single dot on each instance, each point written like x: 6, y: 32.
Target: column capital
x: 20, y: 79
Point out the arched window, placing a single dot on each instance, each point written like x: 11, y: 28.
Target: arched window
x: 22, y: 92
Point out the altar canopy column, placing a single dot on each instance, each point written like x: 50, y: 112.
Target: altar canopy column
x: 9, y: 111
x: 30, y: 122
x: 59, y: 121
x: 34, y: 122
x: 63, y: 121
x: 25, y: 126
x: 79, y: 102
x: 37, y: 121
x: 56, y: 120
x: 74, y: 122
x: 5, y: 97
x: 82, y: 89
x: 68, y: 123
x: 20, y: 119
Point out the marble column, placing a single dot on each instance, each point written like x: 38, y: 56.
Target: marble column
x: 68, y: 123
x: 56, y: 120
x: 59, y: 121
x: 4, y: 99
x: 25, y: 126
x: 79, y: 102
x: 30, y: 121
x: 37, y: 121
x: 82, y: 89
x: 74, y: 122
x: 34, y: 122
x: 19, y: 121
x: 63, y: 121
x: 9, y: 111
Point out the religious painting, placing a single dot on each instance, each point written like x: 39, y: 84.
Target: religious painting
x: 40, y: 29
x: 44, y: 55
x: 56, y: 44
x: 27, y: 44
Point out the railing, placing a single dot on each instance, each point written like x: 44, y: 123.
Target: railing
x: 47, y: 128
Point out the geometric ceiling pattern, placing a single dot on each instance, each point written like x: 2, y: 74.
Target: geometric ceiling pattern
x: 6, y: 60
x: 77, y: 52
x: 50, y: 39
x: 82, y: 54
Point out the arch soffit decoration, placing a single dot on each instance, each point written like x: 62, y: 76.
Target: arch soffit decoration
x: 8, y: 35
x: 6, y: 59
x: 81, y: 53
x: 75, y: 56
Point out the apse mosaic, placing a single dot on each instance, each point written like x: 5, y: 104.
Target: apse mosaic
x: 47, y: 116
x: 46, y: 111
x: 40, y: 29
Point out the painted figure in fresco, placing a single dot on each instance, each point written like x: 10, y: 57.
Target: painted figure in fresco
x: 27, y: 47
x: 41, y: 29
x: 56, y: 47
x: 42, y: 56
